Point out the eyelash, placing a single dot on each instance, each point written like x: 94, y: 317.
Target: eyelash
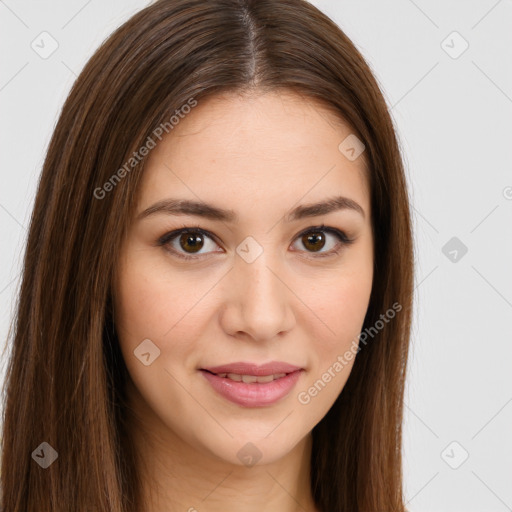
x: 344, y: 240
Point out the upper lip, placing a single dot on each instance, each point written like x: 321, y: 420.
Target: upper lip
x: 241, y: 368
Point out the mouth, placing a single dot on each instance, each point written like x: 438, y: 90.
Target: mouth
x: 253, y: 369
x: 249, y: 379
x: 249, y: 385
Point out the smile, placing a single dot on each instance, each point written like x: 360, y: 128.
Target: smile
x: 251, y: 390
x: 249, y: 379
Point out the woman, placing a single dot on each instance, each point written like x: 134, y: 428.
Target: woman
x: 216, y: 298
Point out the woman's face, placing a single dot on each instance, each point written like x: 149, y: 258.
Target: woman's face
x: 264, y: 283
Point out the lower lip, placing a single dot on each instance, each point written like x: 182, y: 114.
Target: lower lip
x: 255, y: 394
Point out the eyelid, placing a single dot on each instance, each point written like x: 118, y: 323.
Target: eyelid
x: 171, y: 235
x: 344, y: 240
x: 175, y: 232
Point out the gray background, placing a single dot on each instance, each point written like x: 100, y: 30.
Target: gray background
x: 453, y: 114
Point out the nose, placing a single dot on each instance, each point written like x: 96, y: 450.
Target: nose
x: 259, y: 301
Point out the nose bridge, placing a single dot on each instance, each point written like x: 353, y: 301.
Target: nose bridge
x: 262, y: 299
x: 259, y: 276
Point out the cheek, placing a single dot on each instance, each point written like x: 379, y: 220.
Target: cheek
x: 349, y: 305
x: 150, y: 302
x: 341, y: 305
x: 150, y: 305
x: 335, y: 340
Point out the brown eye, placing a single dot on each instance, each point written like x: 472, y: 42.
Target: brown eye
x: 191, y: 242
x: 186, y: 243
x: 314, y: 240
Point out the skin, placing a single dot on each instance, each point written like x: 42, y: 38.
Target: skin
x: 261, y: 156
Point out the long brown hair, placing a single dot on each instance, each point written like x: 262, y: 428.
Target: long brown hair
x: 65, y: 378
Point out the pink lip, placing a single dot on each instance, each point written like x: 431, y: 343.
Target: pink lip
x: 255, y: 394
x: 241, y: 368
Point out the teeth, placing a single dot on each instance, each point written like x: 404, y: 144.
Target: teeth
x: 266, y: 378
x: 249, y: 379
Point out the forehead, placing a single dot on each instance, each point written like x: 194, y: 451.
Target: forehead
x: 257, y: 148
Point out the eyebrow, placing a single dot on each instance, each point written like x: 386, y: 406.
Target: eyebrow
x: 209, y: 211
